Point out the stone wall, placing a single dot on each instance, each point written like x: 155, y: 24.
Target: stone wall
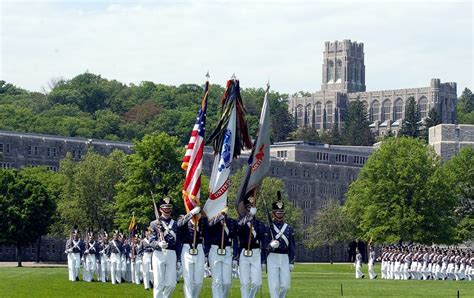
x: 448, y: 139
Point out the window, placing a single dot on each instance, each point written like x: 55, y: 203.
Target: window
x: 307, y: 115
x: 73, y: 153
x: 299, y: 116
x: 318, y: 115
x: 329, y: 114
x: 375, y: 111
x: 330, y: 71
x: 7, y: 150
x: 398, y: 113
x: 282, y: 154
x: 55, y: 152
x: 48, y: 151
x: 79, y: 154
x: 306, y: 173
x: 275, y: 171
x: 1, y: 147
x: 338, y: 69
x: 305, y: 219
x: 422, y: 107
x: 5, y: 165
x: 360, y: 160
x: 29, y: 150
x: 53, y: 168
x: 36, y: 150
x: 341, y: 158
x: 322, y: 156
x: 386, y: 110
x: 295, y: 205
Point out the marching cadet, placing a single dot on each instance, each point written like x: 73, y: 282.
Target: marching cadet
x: 125, y: 260
x: 358, y: 265
x: 166, y: 249
x: 146, y: 251
x: 91, y: 256
x: 223, y: 252
x: 74, y: 250
x: 252, y: 261
x: 115, y: 251
x: 371, y: 263
x: 192, y: 231
x: 104, y: 258
x: 135, y: 260
x: 281, y: 252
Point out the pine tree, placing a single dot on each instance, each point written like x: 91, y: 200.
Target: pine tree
x: 356, y: 130
x: 411, y: 123
x: 432, y: 120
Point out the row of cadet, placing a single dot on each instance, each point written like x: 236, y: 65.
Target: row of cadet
x: 420, y: 262
x: 193, y: 246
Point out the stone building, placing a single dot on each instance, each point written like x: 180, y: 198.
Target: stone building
x: 312, y: 173
x: 448, y: 139
x: 343, y: 81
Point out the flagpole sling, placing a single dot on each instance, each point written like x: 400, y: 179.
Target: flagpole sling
x: 221, y: 251
x: 249, y: 253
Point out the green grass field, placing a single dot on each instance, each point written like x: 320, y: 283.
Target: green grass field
x: 308, y: 280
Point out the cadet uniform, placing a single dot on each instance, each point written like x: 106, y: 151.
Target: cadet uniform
x: 193, y: 253
x: 223, y: 253
x: 281, y: 252
x: 166, y: 248
x: 115, y: 251
x: 146, y: 251
x: 125, y: 261
x: 252, y: 256
x: 91, y: 256
x: 74, y: 250
x: 371, y: 263
x: 104, y: 266
x: 358, y: 265
x: 135, y: 260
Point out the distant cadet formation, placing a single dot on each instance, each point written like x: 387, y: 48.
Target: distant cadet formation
x: 220, y: 247
x: 420, y: 262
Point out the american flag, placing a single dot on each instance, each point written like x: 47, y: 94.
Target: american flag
x: 192, y: 161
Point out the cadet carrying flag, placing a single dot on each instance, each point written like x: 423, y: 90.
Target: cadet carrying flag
x: 228, y: 139
x: 258, y: 163
x: 132, y: 225
x: 192, y: 161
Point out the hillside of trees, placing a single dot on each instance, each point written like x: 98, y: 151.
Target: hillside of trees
x: 94, y: 107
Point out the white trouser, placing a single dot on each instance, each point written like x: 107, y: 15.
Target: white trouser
x: 193, y: 271
x: 358, y: 267
x: 449, y: 271
x: 372, y: 274
x: 125, y: 267
x: 115, y: 271
x: 90, y: 267
x: 104, y: 263
x: 250, y: 271
x: 221, y: 268
x: 382, y: 269
x: 278, y: 267
x: 164, y: 273
x: 74, y: 264
x: 136, y: 268
x: 146, y: 268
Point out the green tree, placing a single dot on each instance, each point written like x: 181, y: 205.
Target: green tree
x: 433, y: 119
x: 88, y: 190
x: 356, y: 131
x: 411, y: 123
x: 305, y: 134
x: 459, y: 174
x: 398, y: 197
x: 465, y: 107
x: 330, y: 226
x: 26, y: 208
x: 153, y: 167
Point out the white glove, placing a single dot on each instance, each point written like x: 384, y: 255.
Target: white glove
x: 163, y: 244
x: 275, y: 243
x: 195, y: 210
x: 253, y: 210
x: 264, y: 267
x: 235, y: 264
x: 292, y: 267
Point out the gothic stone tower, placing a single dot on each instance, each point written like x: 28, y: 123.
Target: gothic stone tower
x: 343, y: 66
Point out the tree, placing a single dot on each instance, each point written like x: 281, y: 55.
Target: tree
x: 356, y: 131
x: 88, y: 190
x: 433, y: 119
x: 411, y: 123
x: 459, y: 174
x: 330, y: 226
x: 398, y: 197
x: 153, y: 168
x: 26, y: 207
x: 305, y: 134
x: 465, y: 107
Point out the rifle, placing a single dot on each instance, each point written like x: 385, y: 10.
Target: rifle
x: 269, y: 217
x: 157, y: 215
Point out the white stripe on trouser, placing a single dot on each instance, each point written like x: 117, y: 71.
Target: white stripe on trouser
x: 193, y: 271
x: 221, y: 268
x: 115, y: 271
x: 250, y: 271
x: 164, y: 273
x: 278, y: 267
x: 146, y: 269
x: 371, y: 270
x: 73, y: 264
x: 136, y: 268
x: 104, y: 263
x: 90, y: 267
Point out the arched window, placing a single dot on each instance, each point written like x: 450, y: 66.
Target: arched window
x: 338, y: 69
x: 329, y: 114
x: 375, y: 111
x: 307, y: 115
x: 422, y: 107
x: 299, y: 116
x: 386, y: 109
x: 318, y: 114
x: 398, y: 109
x: 330, y: 71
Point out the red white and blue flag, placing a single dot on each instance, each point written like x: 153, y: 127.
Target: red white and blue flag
x: 192, y: 161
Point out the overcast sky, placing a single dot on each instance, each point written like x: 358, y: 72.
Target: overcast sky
x: 174, y: 42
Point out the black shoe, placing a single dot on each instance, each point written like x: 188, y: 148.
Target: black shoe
x: 363, y: 276
x: 77, y: 278
x: 375, y: 277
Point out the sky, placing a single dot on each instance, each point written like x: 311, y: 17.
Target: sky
x: 175, y: 42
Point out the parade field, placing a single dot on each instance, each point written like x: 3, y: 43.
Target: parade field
x: 308, y: 280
